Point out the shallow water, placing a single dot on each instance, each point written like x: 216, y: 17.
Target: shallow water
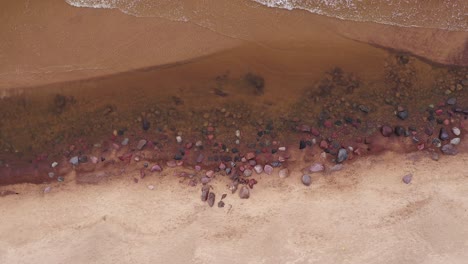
x: 446, y: 14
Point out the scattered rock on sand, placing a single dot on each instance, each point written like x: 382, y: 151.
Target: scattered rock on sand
x: 342, y: 155
x: 258, y: 168
x: 244, y: 192
x: 283, y: 173
x: 74, y: 160
x: 455, y: 141
x: 141, y: 144
x: 205, y: 190
x: 47, y: 189
x: 247, y: 173
x: 456, y: 131
x: 306, y: 179
x: 449, y: 149
x: 211, y: 199
x: 220, y: 204
x: 443, y: 135
x: 451, y: 101
x: 407, y: 178
x: 434, y: 156
x: 151, y: 187
x: 336, y: 167
x: 156, y: 168
x: 316, y: 167
x: 268, y: 169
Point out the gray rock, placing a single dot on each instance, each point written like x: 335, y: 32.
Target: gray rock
x: 443, y: 135
x: 141, y: 144
x: 316, y: 167
x: 452, y: 101
x: 268, y: 169
x: 456, y: 131
x: 403, y: 114
x: 211, y: 199
x: 125, y: 141
x: 247, y: 173
x: 407, y: 178
x: 306, y: 179
x: 205, y: 190
x: 336, y: 167
x: 51, y: 174
x: 74, y: 160
x: 342, y: 155
x: 449, y: 149
x: 244, y: 192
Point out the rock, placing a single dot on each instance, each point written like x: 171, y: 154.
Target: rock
x: 47, y: 189
x: 171, y: 163
x: 222, y: 166
x: 94, y: 159
x: 145, y: 124
x: 51, y: 174
x: 211, y: 199
x: 125, y: 141
x: 400, y: 131
x: 200, y: 158
x: 449, y: 149
x: 156, y: 168
x: 456, y: 131
x: 306, y: 179
x: 220, y: 204
x: 436, y: 142
x: 268, y: 169
x: 258, y: 168
x: 302, y: 144
x: 141, y: 144
x: 209, y: 173
x: 336, y: 167
x: 451, y: 101
x: 233, y: 186
x: 283, y: 173
x: 407, y: 178
x: 364, y: 108
x: 205, y: 190
x: 205, y: 180
x: 60, y: 179
x: 199, y: 143
x: 403, y: 114
x: 342, y: 155
x: 151, y: 187
x: 244, y: 192
x: 74, y: 160
x: 83, y: 159
x: 443, y: 135
x: 247, y: 173
x: 316, y: 167
x: 429, y: 131
x: 455, y: 141
x: 434, y: 156
x: 250, y: 156
x: 54, y: 164
x: 386, y: 131
x: 179, y: 139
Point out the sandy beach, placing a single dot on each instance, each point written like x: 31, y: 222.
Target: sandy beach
x: 113, y: 121
x: 364, y: 213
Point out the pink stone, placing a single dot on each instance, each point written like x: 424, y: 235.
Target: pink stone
x: 323, y: 144
x: 250, y: 155
x: 156, y: 168
x: 115, y: 145
x: 316, y: 167
x: 222, y: 166
x: 210, y: 137
x: 171, y: 163
x: 268, y: 169
x: 209, y: 173
x: 421, y: 146
x: 197, y: 168
x: 258, y: 169
x: 94, y: 159
x: 180, y: 163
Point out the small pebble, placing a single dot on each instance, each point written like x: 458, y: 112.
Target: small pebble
x: 268, y: 169
x: 306, y: 180
x: 449, y: 149
x: 283, y: 173
x: 386, y: 131
x: 336, y: 167
x: 244, y: 192
x: 94, y: 159
x: 151, y: 187
x: 402, y: 114
x: 125, y: 141
x: 258, y: 168
x: 452, y: 101
x: 198, y: 143
x: 179, y: 139
x: 456, y: 131
x: 434, y: 156
x: 342, y: 155
x: 282, y: 148
x: 141, y: 144
x: 211, y: 199
x: 54, y: 164
x: 74, y: 160
x: 455, y: 141
x: 47, y: 189
x: 407, y: 178
x: 316, y: 167
x: 156, y: 168
x: 220, y: 204
x: 51, y: 174
x: 247, y: 173
x: 60, y: 179
x: 443, y: 135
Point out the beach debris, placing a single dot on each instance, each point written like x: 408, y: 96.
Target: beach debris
x: 306, y: 179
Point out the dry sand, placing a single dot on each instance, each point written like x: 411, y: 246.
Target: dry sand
x: 362, y: 214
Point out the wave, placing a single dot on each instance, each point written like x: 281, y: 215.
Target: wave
x: 440, y: 14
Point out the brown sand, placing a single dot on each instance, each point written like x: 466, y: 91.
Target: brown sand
x: 363, y: 214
